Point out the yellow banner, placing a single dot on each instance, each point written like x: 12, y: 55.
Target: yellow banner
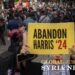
x: 50, y: 38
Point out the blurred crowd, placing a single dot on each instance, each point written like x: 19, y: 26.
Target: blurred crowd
x: 51, y: 12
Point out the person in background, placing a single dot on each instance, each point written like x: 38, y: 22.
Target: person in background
x: 2, y: 31
x: 56, y: 17
x: 29, y: 19
x: 44, y: 18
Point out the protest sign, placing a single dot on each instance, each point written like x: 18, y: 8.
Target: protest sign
x: 50, y: 38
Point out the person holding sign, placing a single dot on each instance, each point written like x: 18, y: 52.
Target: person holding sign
x: 27, y: 70
x: 41, y: 70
